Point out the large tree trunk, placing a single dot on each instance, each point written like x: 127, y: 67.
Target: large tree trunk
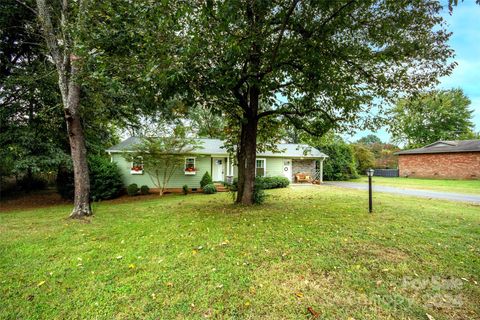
x: 246, y: 153
x: 246, y: 162
x: 78, y: 150
x: 59, y: 46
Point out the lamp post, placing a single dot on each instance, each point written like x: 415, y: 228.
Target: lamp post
x: 370, y: 175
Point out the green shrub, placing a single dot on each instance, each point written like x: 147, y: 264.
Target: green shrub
x: 206, y: 179
x: 105, y: 180
x: 258, y: 194
x: 341, y: 164
x: 272, y: 182
x: 209, y: 188
x: 144, y: 190
x: 185, y: 189
x: 261, y: 183
x: 132, y: 190
x: 232, y: 189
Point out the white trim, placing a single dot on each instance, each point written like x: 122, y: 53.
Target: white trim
x: 264, y: 166
x: 189, y: 173
x: 134, y: 171
x: 321, y: 170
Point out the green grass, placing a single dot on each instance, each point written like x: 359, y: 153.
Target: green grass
x: 197, y: 256
x: 458, y: 186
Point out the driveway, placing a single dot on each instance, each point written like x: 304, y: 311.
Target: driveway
x: 408, y: 192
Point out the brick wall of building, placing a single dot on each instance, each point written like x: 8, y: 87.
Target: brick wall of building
x: 461, y: 165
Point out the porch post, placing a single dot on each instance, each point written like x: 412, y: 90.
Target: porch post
x: 321, y: 170
x: 228, y: 166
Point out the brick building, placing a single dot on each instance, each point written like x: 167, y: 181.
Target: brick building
x: 458, y: 159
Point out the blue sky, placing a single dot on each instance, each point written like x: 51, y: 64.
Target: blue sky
x: 464, y: 23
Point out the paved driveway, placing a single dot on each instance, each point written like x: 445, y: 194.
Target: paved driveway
x: 409, y: 192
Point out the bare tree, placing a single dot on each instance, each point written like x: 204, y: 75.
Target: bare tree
x: 61, y: 47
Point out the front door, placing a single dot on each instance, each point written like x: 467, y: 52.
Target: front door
x: 217, y: 169
x: 287, y: 168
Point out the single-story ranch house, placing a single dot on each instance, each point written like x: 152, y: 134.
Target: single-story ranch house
x: 212, y: 157
x: 459, y: 159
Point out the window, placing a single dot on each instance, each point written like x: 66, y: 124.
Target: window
x: 260, y: 167
x: 137, y: 166
x: 190, y: 166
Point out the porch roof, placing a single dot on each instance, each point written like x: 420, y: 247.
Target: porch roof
x: 216, y: 147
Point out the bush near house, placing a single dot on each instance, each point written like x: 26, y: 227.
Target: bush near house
x: 272, y: 182
x: 144, y: 190
x: 341, y: 161
x: 209, y: 189
x: 206, y: 179
x: 132, y: 190
x: 185, y: 189
x: 258, y: 194
x: 105, y: 180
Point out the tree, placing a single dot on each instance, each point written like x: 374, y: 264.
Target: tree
x: 315, y: 64
x: 369, y: 139
x: 207, y: 124
x: 431, y: 116
x: 364, y: 158
x: 31, y: 124
x: 62, y: 46
x: 161, y: 156
x: 340, y: 164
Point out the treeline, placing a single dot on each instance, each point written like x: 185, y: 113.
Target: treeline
x: 350, y: 160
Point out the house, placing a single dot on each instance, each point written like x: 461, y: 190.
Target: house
x: 459, y: 159
x: 213, y: 157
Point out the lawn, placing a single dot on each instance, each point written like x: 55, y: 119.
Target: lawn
x: 198, y: 256
x: 458, y: 186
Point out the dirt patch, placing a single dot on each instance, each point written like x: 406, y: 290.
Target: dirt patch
x: 48, y: 198
x: 32, y: 200
x: 388, y: 254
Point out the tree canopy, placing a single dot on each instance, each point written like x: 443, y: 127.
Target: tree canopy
x: 431, y: 116
x: 316, y: 65
x: 369, y: 139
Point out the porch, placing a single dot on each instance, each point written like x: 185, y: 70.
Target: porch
x: 307, y: 171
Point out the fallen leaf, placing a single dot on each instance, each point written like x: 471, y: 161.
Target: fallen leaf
x: 131, y: 266
x: 119, y: 257
x: 430, y: 317
x: 41, y: 283
x: 299, y: 294
x: 314, y: 313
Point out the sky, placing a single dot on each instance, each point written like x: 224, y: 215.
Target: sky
x: 464, y: 23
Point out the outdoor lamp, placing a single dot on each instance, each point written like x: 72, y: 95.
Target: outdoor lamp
x: 370, y: 173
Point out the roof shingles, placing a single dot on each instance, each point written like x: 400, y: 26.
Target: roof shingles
x: 448, y: 146
x: 215, y: 146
